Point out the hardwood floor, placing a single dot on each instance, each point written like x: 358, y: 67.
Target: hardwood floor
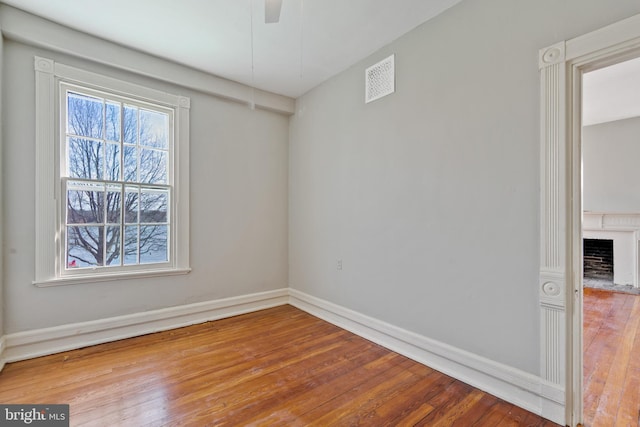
x: 274, y: 367
x: 611, y: 340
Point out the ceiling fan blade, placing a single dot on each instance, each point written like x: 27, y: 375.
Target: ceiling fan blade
x: 272, y: 11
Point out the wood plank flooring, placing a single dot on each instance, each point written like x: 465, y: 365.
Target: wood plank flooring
x: 611, y: 341
x: 279, y: 366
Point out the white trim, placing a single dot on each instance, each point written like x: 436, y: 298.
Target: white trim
x: 24, y: 27
x: 109, y: 277
x: 561, y: 68
x: 48, y: 271
x: 45, y: 202
x: 552, y: 274
x: 513, y: 385
x: 41, y: 342
x: 3, y: 345
x: 75, y: 75
x: 552, y: 398
x: 181, y: 182
x: 618, y: 37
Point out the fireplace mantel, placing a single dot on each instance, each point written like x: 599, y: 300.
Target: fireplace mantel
x: 610, y: 221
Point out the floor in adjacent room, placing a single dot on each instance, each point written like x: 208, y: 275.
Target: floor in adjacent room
x: 611, y: 341
x: 279, y: 366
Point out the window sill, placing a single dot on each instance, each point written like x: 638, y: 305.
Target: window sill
x: 62, y: 281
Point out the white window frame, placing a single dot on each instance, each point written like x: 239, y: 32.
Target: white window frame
x: 49, y: 210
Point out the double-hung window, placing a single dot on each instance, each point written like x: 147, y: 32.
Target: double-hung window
x: 116, y: 194
x: 120, y: 163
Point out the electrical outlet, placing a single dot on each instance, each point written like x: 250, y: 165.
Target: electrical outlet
x: 339, y: 264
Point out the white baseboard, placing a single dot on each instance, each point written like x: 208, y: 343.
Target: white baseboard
x: 552, y: 397
x: 40, y: 342
x: 510, y: 384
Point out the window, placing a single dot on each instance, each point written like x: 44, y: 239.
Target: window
x: 121, y: 198
x: 117, y: 192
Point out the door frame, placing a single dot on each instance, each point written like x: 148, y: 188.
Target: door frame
x: 560, y: 281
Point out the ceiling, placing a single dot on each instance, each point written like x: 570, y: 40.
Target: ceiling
x: 314, y: 40
x: 611, y: 93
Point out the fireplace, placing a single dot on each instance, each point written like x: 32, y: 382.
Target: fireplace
x: 598, y: 259
x: 612, y: 247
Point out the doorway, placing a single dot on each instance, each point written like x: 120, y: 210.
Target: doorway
x: 562, y: 67
x: 610, y: 194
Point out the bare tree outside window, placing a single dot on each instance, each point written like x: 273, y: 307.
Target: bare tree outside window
x: 117, y: 188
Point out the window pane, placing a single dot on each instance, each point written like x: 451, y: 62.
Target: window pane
x: 115, y: 171
x: 131, y: 205
x: 114, y: 203
x: 85, y: 115
x: 86, y: 158
x: 84, y: 246
x: 130, y: 124
x: 85, y: 203
x: 112, y: 124
x: 153, y: 205
x: 153, y: 243
x: 112, y: 162
x: 153, y: 166
x: 113, y: 245
x: 130, y: 163
x: 131, y: 244
x: 154, y: 128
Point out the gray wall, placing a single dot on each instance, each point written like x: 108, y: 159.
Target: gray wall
x: 238, y: 218
x: 611, y: 170
x: 430, y: 196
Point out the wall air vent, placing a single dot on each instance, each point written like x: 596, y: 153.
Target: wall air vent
x: 380, y: 79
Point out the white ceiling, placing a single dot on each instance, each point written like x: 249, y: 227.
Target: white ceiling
x: 314, y: 40
x: 611, y: 93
